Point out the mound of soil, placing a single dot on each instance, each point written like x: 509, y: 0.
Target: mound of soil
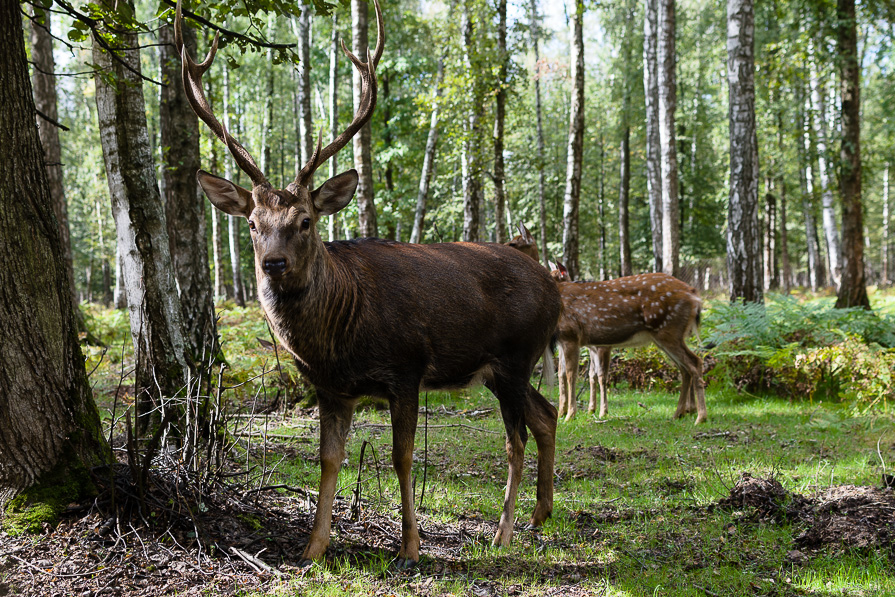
x: 843, y: 515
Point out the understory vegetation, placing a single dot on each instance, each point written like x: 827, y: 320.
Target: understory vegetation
x: 781, y: 493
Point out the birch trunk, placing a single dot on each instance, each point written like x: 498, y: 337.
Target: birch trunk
x: 542, y: 194
x: 575, y: 151
x: 362, y: 141
x: 667, y: 81
x: 651, y: 93
x: 237, y: 290
x: 831, y: 231
x: 743, y: 232
x: 886, y: 241
x: 333, y: 224
x: 422, y: 196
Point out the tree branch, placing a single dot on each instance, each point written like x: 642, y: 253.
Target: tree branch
x: 51, y: 121
x: 227, y: 32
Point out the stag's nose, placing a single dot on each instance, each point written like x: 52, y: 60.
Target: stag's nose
x: 274, y: 267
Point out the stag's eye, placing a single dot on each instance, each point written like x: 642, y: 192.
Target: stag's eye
x: 252, y: 225
x: 305, y: 224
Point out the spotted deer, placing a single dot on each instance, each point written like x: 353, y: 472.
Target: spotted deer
x: 380, y: 318
x: 629, y: 311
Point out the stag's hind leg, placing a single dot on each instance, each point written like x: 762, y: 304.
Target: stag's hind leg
x: 541, y: 418
x: 335, y: 420
x: 513, y: 396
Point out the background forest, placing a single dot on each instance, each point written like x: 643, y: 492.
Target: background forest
x: 429, y: 72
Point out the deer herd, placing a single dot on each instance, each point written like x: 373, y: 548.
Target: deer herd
x: 371, y: 317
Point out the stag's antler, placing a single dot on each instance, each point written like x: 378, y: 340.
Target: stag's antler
x: 192, y: 85
x: 367, y: 72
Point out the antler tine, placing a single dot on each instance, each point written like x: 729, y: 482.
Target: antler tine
x: 191, y: 75
x: 312, y: 164
x: 367, y: 71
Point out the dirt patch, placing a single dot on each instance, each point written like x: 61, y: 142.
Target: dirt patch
x: 844, y: 515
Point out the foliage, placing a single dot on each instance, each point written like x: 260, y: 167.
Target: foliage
x: 804, y: 349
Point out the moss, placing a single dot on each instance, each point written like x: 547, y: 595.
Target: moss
x: 44, y: 502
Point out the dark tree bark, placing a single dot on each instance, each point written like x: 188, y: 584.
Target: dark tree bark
x: 184, y: 203
x: 651, y: 93
x: 667, y: 80
x: 500, y: 100
x: 743, y: 232
x: 362, y: 142
x: 422, y: 196
x: 50, y: 432
x: 44, y: 83
x: 624, y: 187
x: 334, y: 52
x: 472, y: 151
x: 853, y: 287
x: 542, y: 185
x: 305, y: 117
x: 575, y: 151
x: 152, y: 301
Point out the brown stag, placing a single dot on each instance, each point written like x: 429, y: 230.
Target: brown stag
x: 380, y: 318
x: 629, y: 311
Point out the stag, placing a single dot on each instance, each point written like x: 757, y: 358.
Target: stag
x: 389, y: 319
x: 630, y: 311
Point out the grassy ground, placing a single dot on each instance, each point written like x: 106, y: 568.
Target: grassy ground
x: 636, y: 503
x: 634, y: 511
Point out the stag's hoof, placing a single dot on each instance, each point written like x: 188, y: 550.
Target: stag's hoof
x: 701, y: 419
x: 405, y: 563
x: 502, y: 538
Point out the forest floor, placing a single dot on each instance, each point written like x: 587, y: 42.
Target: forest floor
x: 771, y: 497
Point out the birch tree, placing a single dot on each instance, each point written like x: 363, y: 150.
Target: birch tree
x: 651, y: 94
x: 575, y: 148
x: 667, y: 80
x: 743, y: 233
x: 362, y: 141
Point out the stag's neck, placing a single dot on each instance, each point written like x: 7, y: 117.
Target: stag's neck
x: 315, y: 314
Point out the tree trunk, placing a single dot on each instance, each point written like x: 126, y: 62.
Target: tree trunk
x: 50, y: 432
x: 743, y: 232
x: 786, y: 273
x: 305, y: 117
x: 236, y: 289
x: 667, y: 79
x: 334, y: 51
x: 422, y: 196
x: 770, y: 236
x: 471, y: 165
x: 500, y: 100
x: 152, y: 301
x: 651, y: 93
x: 43, y: 80
x: 575, y: 151
x: 853, y: 288
x: 886, y: 241
x: 624, y: 187
x: 267, y: 125
x: 542, y: 185
x: 362, y: 141
x: 184, y: 202
x: 831, y: 231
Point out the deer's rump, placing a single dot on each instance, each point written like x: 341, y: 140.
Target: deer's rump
x: 443, y: 315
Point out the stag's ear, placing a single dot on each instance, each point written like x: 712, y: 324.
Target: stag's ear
x: 335, y: 193
x: 229, y: 198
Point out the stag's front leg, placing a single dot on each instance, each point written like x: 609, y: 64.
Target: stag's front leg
x: 335, y: 421
x: 404, y: 412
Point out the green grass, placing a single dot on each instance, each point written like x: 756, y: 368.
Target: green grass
x: 633, y: 503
